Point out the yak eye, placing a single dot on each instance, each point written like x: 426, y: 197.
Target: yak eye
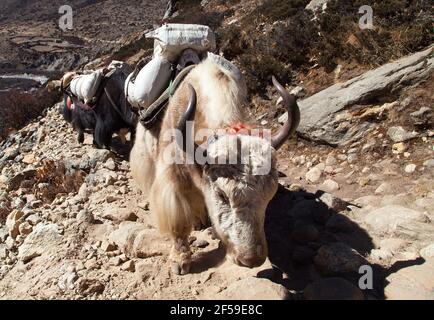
x: 222, y: 196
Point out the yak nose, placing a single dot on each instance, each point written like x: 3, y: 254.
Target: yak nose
x: 252, y: 259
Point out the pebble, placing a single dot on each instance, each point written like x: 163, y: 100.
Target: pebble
x: 410, y: 168
x: 330, y: 185
x: 313, y: 175
x: 429, y: 163
x: 128, y: 266
x: 384, y: 188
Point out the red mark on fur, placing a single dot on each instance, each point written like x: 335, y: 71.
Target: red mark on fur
x: 242, y: 129
x: 69, y: 103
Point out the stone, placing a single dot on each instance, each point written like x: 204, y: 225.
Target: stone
x: 66, y: 281
x: 317, y: 6
x: 111, y: 199
x: 333, y: 202
x: 342, y: 157
x: 399, y: 148
x: 392, y: 244
x: 384, y: 188
x: 427, y: 252
x: 253, y: 289
x: 13, y: 222
x: 39, y: 241
x: 412, y: 283
x: 83, y: 193
x: 85, y: 216
x: 134, y: 240
x: 128, y: 266
x: 429, y: 163
x: 25, y: 228
x: 390, y: 218
x: 26, y: 175
x: 107, y: 246
x: 110, y: 164
x: 330, y: 185
x: 119, y: 214
x: 338, y: 258
x: 98, y: 156
x: 29, y: 159
x: 319, y: 112
x: 331, y: 160
x: 3, y: 234
x: 3, y: 252
x: 88, y: 286
x: 422, y: 116
x: 410, y: 168
x: 332, y: 289
x: 399, y: 134
x: 352, y: 158
x: 313, y: 175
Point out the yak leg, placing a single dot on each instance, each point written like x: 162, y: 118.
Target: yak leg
x: 80, y: 137
x: 102, y: 136
x: 175, y: 215
x: 180, y: 256
x: 122, y: 135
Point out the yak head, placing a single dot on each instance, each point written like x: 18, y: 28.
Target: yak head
x: 239, y: 178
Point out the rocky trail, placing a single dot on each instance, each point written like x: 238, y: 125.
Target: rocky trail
x: 74, y: 226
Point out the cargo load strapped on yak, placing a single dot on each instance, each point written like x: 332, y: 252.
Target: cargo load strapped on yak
x: 177, y: 49
x: 87, y: 87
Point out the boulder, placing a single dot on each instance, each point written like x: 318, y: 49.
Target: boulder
x: 338, y: 258
x: 253, y: 289
x: 39, y: 241
x: 135, y: 240
x: 333, y: 289
x: 390, y: 218
x: 321, y: 113
x: 399, y: 134
x: 413, y: 283
x: 313, y: 175
x: 13, y: 222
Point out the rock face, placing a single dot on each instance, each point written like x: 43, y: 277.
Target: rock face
x: 42, y: 237
x: 318, y: 112
x: 253, y: 289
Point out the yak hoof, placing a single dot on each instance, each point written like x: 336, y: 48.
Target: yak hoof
x: 182, y: 268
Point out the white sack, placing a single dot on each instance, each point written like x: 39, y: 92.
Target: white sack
x: 85, y: 86
x: 172, y: 39
x: 149, y: 84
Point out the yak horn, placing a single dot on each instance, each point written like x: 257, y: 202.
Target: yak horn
x: 188, y: 116
x: 291, y: 124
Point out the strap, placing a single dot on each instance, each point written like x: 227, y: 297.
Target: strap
x: 149, y: 116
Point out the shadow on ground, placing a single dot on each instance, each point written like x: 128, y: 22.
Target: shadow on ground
x: 293, y: 252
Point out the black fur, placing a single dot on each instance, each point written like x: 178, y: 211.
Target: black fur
x: 103, y: 119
